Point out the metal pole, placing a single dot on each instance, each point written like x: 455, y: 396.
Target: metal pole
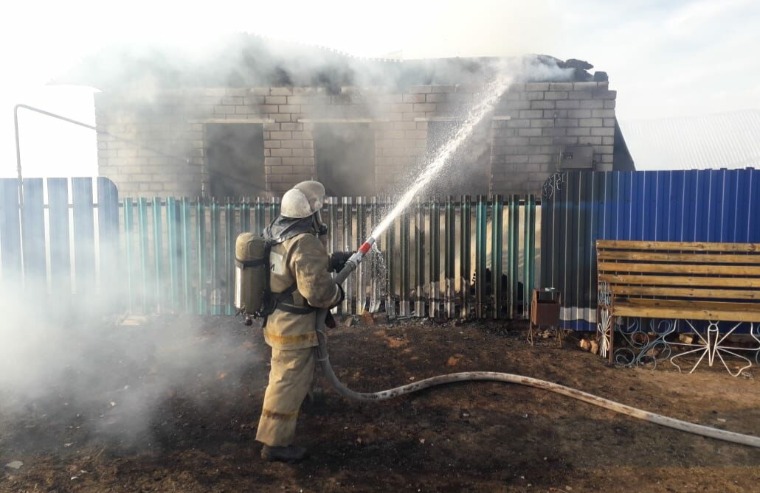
x: 173, y: 250
x: 360, y: 293
x: 201, y: 218
x: 185, y: 218
x: 20, y: 188
x: 419, y: 260
x: 142, y: 217
x: 529, y: 248
x: 128, y: 226
x: 450, y: 258
x: 465, y: 250
x: 434, y: 233
x: 404, y: 308
x: 481, y: 240
x: 158, y: 252
x: 496, y: 254
x: 391, y: 252
x: 348, y: 306
x: 212, y: 283
x: 513, y: 251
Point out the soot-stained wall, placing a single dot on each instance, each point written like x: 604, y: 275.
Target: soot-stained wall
x: 257, y: 116
x: 173, y: 144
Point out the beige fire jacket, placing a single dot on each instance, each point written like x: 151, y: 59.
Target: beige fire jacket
x: 302, y: 260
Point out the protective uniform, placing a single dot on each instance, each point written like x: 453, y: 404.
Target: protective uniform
x: 301, y: 283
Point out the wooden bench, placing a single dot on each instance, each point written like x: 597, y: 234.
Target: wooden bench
x: 673, y: 285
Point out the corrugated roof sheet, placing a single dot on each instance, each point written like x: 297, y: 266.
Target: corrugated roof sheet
x: 724, y: 140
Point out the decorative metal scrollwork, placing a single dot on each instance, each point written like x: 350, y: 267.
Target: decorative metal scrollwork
x: 647, y: 341
x: 710, y: 342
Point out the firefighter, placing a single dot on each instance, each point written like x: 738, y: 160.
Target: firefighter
x: 300, y: 283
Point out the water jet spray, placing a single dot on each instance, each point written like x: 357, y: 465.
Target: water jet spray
x: 353, y: 262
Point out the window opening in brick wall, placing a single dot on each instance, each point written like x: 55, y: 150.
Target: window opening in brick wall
x: 345, y: 158
x: 235, y: 159
x: 468, y: 170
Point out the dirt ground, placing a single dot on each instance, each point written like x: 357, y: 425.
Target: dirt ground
x: 194, y: 432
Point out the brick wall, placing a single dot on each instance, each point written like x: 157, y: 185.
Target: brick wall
x: 155, y: 147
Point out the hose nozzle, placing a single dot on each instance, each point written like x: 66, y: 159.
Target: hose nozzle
x: 354, y: 260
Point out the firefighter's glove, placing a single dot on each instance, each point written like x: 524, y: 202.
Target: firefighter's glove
x: 330, y: 321
x: 338, y: 260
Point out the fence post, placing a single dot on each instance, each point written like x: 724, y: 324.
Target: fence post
x: 200, y: 214
x: 481, y: 240
x: 404, y: 308
x: 434, y: 241
x: 174, y: 250
x: 158, y: 253
x: 465, y: 250
x: 228, y: 258
x: 497, y: 292
x: 186, y: 265
x: 142, y: 218
x: 529, y: 248
x: 419, y: 259
x: 513, y: 252
x: 359, y: 235
x: 450, y: 257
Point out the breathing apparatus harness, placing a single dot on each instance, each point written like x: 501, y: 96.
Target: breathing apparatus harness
x: 280, y: 230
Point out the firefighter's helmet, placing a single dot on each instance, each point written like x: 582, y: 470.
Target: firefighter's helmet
x: 303, y: 200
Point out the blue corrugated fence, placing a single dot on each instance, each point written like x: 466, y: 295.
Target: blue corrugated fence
x: 580, y: 207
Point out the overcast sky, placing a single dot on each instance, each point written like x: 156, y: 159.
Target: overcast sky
x: 665, y: 58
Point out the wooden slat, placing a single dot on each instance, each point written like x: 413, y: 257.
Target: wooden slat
x: 677, y: 309
x: 674, y: 257
x: 678, y: 245
x: 674, y: 292
x: 727, y: 282
x: 695, y: 313
x: 646, y: 276
x: 704, y: 269
x: 712, y: 305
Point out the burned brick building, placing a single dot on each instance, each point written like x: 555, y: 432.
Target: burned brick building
x: 257, y: 116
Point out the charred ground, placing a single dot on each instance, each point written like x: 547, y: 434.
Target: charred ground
x: 156, y: 425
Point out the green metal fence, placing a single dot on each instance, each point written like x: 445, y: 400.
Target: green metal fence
x: 178, y: 254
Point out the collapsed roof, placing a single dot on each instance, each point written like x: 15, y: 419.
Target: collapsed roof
x: 245, y: 60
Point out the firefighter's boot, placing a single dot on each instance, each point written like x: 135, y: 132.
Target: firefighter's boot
x: 290, y: 453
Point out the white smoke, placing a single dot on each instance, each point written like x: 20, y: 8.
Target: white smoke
x: 111, y: 373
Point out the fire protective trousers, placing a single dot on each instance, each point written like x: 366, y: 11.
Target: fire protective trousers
x: 290, y: 378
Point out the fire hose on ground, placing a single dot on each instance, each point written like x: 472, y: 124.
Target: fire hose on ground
x: 324, y: 359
